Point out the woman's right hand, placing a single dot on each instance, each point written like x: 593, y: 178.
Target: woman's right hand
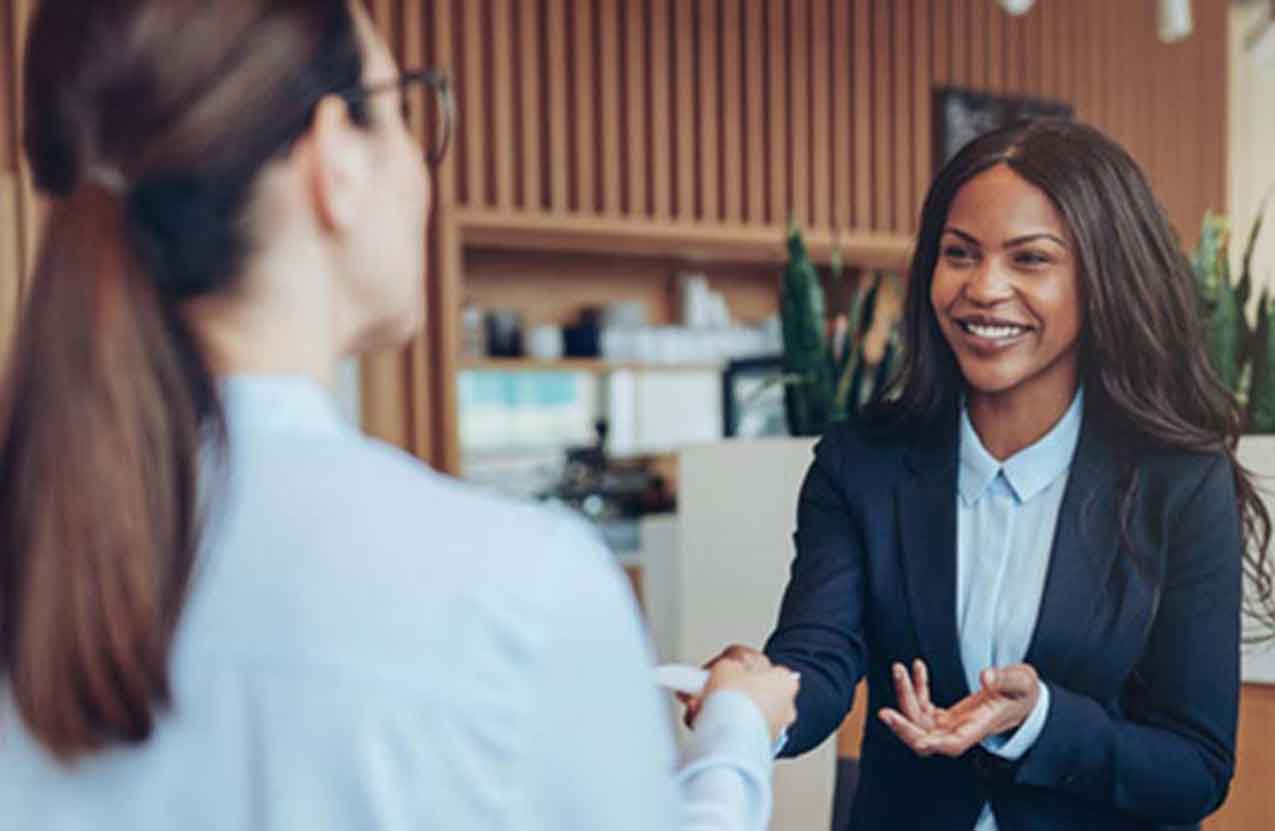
x: 742, y: 669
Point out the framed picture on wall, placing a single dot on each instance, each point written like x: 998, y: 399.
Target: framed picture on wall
x: 753, y: 398
x: 962, y: 115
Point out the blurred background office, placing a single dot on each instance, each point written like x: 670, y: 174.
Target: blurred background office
x: 604, y: 319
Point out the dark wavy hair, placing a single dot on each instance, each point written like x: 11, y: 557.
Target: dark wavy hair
x: 1142, y: 358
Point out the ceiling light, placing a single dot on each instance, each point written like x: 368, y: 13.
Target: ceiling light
x: 1017, y: 6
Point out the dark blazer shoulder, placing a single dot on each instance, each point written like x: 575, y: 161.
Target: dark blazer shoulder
x: 871, y: 457
x: 867, y: 442
x: 1178, y: 474
x: 1182, y: 464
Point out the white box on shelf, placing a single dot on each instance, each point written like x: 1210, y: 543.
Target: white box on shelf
x: 659, y: 410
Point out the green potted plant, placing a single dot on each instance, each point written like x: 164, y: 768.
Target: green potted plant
x: 831, y: 368
x: 1242, y: 354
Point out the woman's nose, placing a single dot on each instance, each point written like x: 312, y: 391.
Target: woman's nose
x: 988, y: 284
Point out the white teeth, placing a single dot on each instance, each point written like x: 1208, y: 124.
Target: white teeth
x: 994, y: 332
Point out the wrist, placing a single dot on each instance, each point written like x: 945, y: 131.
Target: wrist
x: 1031, y: 703
x: 1014, y: 743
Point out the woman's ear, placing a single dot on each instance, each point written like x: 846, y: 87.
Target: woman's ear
x: 339, y: 168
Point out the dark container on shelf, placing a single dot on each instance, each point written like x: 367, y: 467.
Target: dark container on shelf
x: 504, y: 333
x: 583, y: 338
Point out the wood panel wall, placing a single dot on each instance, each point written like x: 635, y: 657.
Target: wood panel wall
x: 744, y: 111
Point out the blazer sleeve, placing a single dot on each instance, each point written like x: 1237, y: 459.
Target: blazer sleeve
x: 1170, y: 756
x: 820, y: 629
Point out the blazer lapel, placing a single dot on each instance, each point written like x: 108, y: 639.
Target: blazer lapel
x: 926, y: 505
x: 1086, y: 542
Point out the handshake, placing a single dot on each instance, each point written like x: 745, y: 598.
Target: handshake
x: 1007, y: 696
x: 773, y: 689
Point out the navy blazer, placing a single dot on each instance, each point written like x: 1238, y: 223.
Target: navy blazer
x: 1139, y: 645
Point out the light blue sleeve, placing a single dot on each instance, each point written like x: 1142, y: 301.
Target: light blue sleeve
x: 725, y: 776
x: 601, y: 754
x: 1027, y: 733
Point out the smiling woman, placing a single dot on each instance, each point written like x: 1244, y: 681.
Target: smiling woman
x: 1032, y: 549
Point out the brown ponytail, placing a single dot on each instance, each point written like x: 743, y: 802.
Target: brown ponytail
x: 98, y: 485
x: 109, y: 417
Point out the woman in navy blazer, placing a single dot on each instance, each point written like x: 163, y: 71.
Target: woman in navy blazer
x: 1044, y: 266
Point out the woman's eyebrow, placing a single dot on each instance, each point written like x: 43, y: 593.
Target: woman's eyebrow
x: 1026, y: 238
x: 968, y: 237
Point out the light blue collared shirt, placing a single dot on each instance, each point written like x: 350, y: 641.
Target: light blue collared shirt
x: 1006, y: 513
x: 368, y: 644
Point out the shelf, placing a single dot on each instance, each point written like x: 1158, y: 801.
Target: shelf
x: 591, y: 365
x: 690, y: 241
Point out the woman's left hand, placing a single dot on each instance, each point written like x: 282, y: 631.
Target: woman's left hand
x: 1006, y: 699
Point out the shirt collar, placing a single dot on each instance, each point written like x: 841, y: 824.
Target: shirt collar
x: 273, y: 404
x: 1030, y: 470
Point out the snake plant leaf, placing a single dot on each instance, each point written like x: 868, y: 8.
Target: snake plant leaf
x: 1261, y: 402
x: 1213, y: 233
x: 1225, y: 331
x: 1223, y: 335
x: 885, y: 372
x: 1256, y: 231
x: 860, y: 321
x: 868, y: 320
x: 1248, y: 336
x: 809, y: 400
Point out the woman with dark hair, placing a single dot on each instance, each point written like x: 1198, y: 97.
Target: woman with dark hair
x: 222, y: 607
x: 1034, y: 550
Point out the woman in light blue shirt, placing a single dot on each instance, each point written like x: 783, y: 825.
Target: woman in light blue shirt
x: 220, y: 605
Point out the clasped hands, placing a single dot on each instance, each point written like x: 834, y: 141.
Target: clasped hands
x: 1005, y: 700
x: 773, y: 689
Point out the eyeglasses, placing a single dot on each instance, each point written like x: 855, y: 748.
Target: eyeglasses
x: 439, y: 128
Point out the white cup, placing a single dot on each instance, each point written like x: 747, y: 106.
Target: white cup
x: 544, y: 343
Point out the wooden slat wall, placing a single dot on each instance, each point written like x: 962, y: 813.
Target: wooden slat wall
x: 819, y: 108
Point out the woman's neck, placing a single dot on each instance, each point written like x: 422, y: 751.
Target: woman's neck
x: 1009, y: 422
x: 275, y: 331
x: 236, y: 351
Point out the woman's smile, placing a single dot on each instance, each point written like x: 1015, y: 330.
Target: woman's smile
x: 992, y: 335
